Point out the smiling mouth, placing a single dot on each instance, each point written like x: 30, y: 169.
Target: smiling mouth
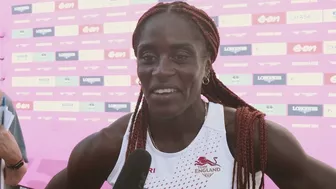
x: 164, y: 91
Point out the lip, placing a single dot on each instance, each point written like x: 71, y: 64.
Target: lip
x: 164, y: 98
x: 152, y: 89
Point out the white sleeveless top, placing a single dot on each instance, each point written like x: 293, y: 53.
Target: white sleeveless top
x: 206, y: 163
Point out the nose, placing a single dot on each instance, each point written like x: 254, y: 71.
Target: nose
x: 164, y: 69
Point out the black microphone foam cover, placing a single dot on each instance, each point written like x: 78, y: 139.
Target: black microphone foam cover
x: 135, y: 170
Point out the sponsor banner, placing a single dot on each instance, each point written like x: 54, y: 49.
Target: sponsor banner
x: 236, y: 50
x: 66, y: 5
x: 272, y: 109
x: 305, y: 79
x: 67, y: 81
x: 91, y: 81
x: 92, y: 107
x: 215, y: 19
x: 44, y: 32
x: 236, y: 79
x: 269, y: 79
x: 66, y: 55
x: 22, y: 9
x: 330, y: 78
x: 22, y: 33
x: 269, y: 49
x: 305, y: 48
x: 269, y: 18
x: 305, y: 110
x: 91, y: 29
x: 23, y: 105
x: 120, y: 107
x: 234, y: 20
x: 117, y: 54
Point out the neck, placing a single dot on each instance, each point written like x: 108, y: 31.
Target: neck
x: 179, y: 131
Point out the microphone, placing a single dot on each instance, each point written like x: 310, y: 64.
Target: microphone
x: 135, y: 170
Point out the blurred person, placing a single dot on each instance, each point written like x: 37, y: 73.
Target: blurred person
x: 13, y: 149
x: 222, y: 143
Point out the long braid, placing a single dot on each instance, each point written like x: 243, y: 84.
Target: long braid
x: 132, y: 137
x: 215, y: 91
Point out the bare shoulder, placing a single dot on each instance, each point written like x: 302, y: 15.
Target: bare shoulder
x: 230, y: 117
x: 274, y: 132
x: 231, y: 133
x: 105, y: 141
x: 95, y: 156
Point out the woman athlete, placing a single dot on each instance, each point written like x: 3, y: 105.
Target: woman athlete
x: 221, y: 144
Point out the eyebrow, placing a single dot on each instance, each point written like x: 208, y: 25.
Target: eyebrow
x: 147, y: 45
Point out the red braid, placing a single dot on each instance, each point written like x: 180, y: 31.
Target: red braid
x: 215, y: 91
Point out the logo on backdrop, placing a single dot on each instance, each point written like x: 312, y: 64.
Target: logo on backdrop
x: 236, y: 50
x: 117, y: 54
x: 305, y: 110
x: 22, y: 33
x: 270, y: 18
x: 91, y: 81
x: 236, y: 79
x: 330, y: 78
x: 66, y: 81
x: 117, y: 107
x: 23, y: 105
x: 44, y: 57
x: 91, y: 107
x: 91, y: 29
x: 66, y: 55
x: 215, y: 19
x: 66, y: 5
x: 44, y: 32
x: 269, y: 79
x: 272, y: 109
x: 22, y: 9
x: 21, y: 57
x: 305, y: 48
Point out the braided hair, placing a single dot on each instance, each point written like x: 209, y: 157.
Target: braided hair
x: 215, y: 91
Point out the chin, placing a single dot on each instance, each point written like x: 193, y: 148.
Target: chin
x: 164, y: 112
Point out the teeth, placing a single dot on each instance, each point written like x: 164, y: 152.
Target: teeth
x: 164, y: 91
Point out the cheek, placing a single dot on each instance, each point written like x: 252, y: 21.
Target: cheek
x: 143, y: 73
x: 193, y: 82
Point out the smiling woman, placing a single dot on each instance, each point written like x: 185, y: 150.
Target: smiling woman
x: 171, y: 68
x: 224, y: 143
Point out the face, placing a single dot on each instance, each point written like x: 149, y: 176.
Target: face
x: 171, y: 64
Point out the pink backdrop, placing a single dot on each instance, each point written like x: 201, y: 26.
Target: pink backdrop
x: 70, y: 70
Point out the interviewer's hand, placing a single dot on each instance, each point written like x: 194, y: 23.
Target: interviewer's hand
x: 9, y: 149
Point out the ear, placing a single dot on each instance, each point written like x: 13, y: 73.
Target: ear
x: 207, y: 67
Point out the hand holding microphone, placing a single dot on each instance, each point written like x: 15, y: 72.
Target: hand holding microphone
x: 134, y: 173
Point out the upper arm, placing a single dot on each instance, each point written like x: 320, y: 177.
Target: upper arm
x: 59, y: 180
x: 16, y: 130
x: 290, y: 167
x: 92, y: 160
x: 287, y: 163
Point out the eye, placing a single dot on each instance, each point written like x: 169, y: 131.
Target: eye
x: 148, y: 57
x: 181, y: 56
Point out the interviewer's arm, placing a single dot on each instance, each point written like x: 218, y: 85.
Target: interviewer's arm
x: 10, y: 153
x: 13, y: 177
x: 16, y: 130
x: 14, y: 150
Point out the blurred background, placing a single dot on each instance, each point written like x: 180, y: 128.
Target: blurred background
x: 70, y: 70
